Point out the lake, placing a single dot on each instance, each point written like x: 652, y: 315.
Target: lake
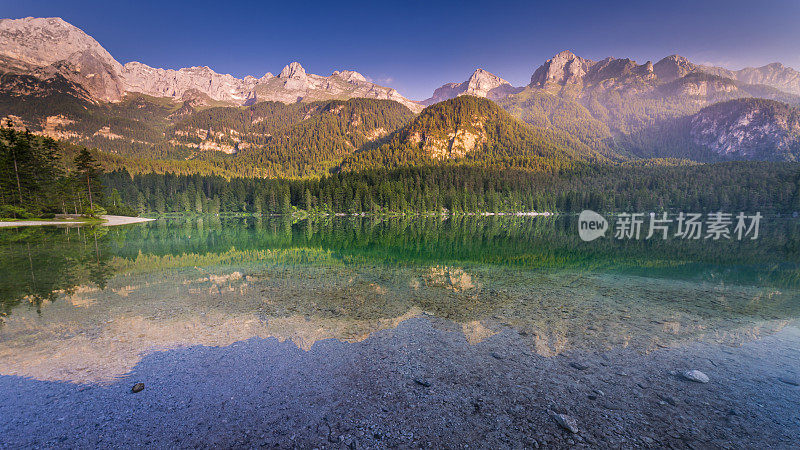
x: 492, y: 325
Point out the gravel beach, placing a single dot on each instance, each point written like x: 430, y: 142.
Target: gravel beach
x: 421, y: 385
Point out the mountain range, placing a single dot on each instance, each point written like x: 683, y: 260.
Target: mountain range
x: 48, y: 47
x: 57, y: 80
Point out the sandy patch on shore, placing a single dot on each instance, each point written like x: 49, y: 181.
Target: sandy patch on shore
x: 110, y: 221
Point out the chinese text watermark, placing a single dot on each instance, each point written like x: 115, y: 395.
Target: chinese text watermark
x: 714, y: 226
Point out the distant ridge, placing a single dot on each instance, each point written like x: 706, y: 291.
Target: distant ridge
x: 46, y: 47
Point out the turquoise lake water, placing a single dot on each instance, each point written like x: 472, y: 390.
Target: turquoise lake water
x: 86, y: 304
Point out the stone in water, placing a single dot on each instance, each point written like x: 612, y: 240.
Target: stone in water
x: 696, y: 375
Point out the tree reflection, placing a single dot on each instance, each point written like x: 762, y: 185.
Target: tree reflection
x: 37, y: 264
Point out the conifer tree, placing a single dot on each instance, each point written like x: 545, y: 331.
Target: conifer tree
x: 88, y: 171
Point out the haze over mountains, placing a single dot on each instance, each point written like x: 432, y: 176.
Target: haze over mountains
x: 59, y: 81
x: 568, y: 69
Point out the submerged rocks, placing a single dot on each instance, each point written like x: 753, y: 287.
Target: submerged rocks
x: 789, y: 380
x: 138, y: 387
x: 422, y: 382
x: 668, y: 399
x: 696, y: 376
x: 566, y: 422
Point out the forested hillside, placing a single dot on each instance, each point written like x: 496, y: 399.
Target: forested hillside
x: 474, y: 131
x: 742, y: 129
x: 462, y: 155
x: 310, y: 139
x: 263, y: 140
x: 545, y: 110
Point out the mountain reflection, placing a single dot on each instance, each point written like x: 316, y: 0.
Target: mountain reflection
x: 99, y: 299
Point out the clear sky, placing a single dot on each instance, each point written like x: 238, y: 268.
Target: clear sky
x: 416, y: 46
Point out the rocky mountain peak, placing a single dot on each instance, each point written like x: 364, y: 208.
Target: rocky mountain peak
x: 44, y: 41
x: 563, y: 68
x: 565, y: 55
x: 678, y: 59
x: 618, y: 68
x: 138, y: 77
x: 480, y: 84
x: 293, y: 70
x: 566, y: 68
x: 199, y: 70
x: 480, y: 76
x: 350, y: 76
x: 676, y: 66
x: 480, y: 73
x: 776, y: 75
x: 673, y: 67
x: 50, y: 47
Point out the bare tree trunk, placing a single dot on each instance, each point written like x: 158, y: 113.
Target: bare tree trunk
x: 16, y: 172
x: 89, y: 185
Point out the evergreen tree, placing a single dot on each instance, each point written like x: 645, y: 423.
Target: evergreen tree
x: 307, y: 200
x: 88, y: 171
x: 29, y: 172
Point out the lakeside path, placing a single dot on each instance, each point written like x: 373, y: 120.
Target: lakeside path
x: 110, y: 221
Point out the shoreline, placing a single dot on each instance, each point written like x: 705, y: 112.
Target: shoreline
x: 418, y: 383
x: 109, y: 221
x: 305, y: 215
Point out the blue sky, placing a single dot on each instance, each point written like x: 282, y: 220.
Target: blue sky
x: 416, y: 46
